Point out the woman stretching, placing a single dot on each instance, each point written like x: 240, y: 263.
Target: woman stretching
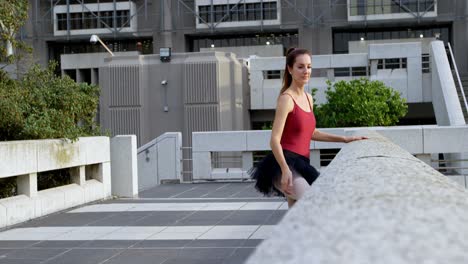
x: 288, y: 171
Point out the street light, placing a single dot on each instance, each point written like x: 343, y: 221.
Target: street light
x: 95, y: 38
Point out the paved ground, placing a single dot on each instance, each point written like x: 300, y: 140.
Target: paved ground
x: 171, y: 224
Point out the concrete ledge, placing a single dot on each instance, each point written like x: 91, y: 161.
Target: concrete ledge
x: 25, y: 159
x: 374, y: 203
x: 418, y: 140
x: 20, y: 208
x: 51, y: 154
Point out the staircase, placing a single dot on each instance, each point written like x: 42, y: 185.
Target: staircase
x: 464, y: 81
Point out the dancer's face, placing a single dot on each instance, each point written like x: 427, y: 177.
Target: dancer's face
x: 301, y: 69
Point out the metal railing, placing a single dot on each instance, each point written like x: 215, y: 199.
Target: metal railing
x: 458, y: 76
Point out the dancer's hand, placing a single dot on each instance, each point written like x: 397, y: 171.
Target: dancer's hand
x: 354, y: 138
x: 286, y: 182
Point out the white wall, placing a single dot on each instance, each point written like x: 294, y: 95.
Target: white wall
x: 408, y: 82
x: 244, y: 52
x: 160, y: 160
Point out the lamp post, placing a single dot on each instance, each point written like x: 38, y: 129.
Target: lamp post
x: 95, y: 38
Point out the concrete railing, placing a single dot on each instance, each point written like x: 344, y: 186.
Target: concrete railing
x: 160, y: 160
x: 88, y: 158
x: 447, y: 108
x: 422, y: 141
x: 375, y: 203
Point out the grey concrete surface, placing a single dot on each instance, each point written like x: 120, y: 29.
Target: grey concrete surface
x: 141, y: 251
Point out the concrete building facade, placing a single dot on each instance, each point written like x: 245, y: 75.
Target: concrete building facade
x: 61, y: 30
x: 323, y: 26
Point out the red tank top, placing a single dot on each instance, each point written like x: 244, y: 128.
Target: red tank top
x: 298, y: 130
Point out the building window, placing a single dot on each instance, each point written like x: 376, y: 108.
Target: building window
x: 359, y: 71
x: 94, y: 18
x: 237, y: 12
x: 378, y: 7
x: 270, y: 11
x: 396, y: 63
x: 350, y: 71
x: 342, y: 72
x: 426, y: 63
x: 88, y: 20
x: 276, y: 74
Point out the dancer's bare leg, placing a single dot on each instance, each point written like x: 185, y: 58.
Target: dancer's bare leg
x: 299, y: 187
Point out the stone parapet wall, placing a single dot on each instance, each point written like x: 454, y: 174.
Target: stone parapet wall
x: 374, y: 203
x: 89, y: 163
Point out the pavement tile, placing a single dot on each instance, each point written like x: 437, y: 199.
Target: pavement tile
x: 84, y: 256
x: 68, y: 219
x: 126, y: 236
x: 18, y: 261
x: 213, y: 243
x: 180, y: 260
x: 264, y: 232
x: 58, y: 244
x: 136, y: 258
x: 275, y: 218
x: 16, y: 244
x: 27, y: 236
x: 240, y: 256
x: 204, y: 218
x: 247, y: 218
x: 229, y: 232
x: 186, y: 229
x: 206, y: 253
x: 121, y: 219
x: 161, y: 244
x: 175, y: 236
x: 163, y: 218
x: 35, y: 253
x: 153, y: 256
x: 252, y: 242
x: 109, y: 244
x: 229, y: 191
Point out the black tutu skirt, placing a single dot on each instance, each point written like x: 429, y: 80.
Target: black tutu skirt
x: 268, y: 171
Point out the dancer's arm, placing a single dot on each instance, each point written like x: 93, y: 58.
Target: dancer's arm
x: 327, y: 137
x: 284, y: 106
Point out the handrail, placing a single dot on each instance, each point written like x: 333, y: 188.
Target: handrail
x: 151, y: 144
x: 458, y: 76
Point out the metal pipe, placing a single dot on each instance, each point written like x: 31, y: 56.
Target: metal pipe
x: 114, y: 18
x: 68, y: 19
x: 212, y: 16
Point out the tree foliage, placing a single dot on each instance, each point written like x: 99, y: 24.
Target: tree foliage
x: 13, y: 15
x: 360, y: 102
x: 41, y: 105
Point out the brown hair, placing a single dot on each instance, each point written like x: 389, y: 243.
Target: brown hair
x: 291, y: 56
